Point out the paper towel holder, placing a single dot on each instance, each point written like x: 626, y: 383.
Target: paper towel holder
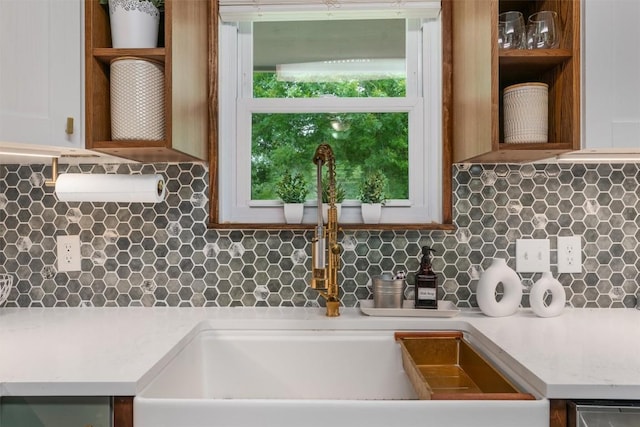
x: 102, y: 188
x: 54, y: 173
x: 150, y: 194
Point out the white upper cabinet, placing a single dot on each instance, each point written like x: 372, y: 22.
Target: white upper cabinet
x: 41, y: 72
x: 611, y: 74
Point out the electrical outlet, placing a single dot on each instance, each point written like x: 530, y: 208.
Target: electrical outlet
x: 68, y: 253
x: 532, y: 255
x: 569, y: 254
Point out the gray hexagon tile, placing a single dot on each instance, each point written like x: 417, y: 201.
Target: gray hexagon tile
x: 139, y: 254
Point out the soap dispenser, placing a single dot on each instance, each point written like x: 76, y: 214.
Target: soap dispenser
x: 426, y: 282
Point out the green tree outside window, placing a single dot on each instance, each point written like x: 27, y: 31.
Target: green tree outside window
x: 360, y: 141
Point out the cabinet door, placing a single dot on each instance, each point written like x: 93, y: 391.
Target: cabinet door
x: 55, y: 411
x: 41, y: 72
x: 611, y: 74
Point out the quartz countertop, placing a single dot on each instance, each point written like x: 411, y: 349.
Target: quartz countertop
x: 584, y: 353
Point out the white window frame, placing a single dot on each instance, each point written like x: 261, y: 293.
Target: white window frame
x: 423, y: 102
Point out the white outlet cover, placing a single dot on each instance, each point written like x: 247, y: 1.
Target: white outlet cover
x: 68, y: 249
x: 533, y: 255
x: 569, y: 254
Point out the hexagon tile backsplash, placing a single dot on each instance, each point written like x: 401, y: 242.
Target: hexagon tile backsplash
x: 140, y: 254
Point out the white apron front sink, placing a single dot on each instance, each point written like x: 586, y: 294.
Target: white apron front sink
x: 306, y: 378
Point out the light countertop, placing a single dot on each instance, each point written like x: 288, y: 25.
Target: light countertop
x: 584, y: 353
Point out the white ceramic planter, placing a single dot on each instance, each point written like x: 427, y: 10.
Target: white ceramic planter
x: 134, y: 23
x: 293, y: 213
x: 371, y: 212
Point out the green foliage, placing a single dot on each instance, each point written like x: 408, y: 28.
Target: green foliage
x: 373, y: 188
x: 340, y: 193
x: 265, y: 85
x: 363, y: 141
x: 292, y: 188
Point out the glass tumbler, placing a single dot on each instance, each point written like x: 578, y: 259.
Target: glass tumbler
x: 543, y: 31
x: 511, y: 30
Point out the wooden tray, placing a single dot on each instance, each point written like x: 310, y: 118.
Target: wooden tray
x: 443, y: 366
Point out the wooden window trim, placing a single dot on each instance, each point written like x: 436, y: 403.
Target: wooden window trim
x: 447, y: 126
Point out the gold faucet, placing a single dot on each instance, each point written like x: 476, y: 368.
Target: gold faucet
x: 326, y: 250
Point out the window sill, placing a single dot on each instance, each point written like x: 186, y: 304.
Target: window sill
x: 344, y: 227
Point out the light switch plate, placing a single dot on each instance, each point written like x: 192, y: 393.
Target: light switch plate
x: 533, y: 255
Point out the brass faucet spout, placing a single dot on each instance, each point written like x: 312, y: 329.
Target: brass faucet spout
x: 326, y: 250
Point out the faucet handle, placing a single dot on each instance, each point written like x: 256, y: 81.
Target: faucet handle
x: 336, y: 249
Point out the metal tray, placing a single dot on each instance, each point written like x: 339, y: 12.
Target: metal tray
x: 445, y: 309
x: 443, y: 366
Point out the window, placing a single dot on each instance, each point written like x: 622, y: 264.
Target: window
x: 368, y: 87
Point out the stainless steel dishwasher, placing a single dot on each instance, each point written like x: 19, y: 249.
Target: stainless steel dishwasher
x: 604, y: 414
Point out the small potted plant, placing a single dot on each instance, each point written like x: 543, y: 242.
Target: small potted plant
x: 292, y: 189
x: 134, y: 23
x: 373, y: 196
x: 340, y: 195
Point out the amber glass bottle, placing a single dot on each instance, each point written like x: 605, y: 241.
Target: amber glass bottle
x: 426, y: 282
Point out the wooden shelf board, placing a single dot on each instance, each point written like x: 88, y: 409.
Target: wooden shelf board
x: 534, y: 56
x: 343, y: 227
x: 540, y: 146
x: 147, y: 154
x: 142, y: 151
x: 108, y: 54
x: 523, y: 6
x: 128, y: 144
x: 517, y: 155
x: 522, y: 65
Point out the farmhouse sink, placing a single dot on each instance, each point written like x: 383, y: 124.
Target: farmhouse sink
x: 310, y: 378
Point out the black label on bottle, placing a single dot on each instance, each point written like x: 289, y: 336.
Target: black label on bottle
x: 426, y: 291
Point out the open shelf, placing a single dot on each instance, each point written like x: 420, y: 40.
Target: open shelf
x: 183, y: 50
x: 478, y: 64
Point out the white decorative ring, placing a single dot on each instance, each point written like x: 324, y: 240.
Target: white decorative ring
x: 538, y: 292
x: 498, y: 273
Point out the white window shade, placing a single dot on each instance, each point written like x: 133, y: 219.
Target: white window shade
x: 297, y: 10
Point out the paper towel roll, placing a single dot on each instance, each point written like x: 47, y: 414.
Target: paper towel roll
x: 75, y: 187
